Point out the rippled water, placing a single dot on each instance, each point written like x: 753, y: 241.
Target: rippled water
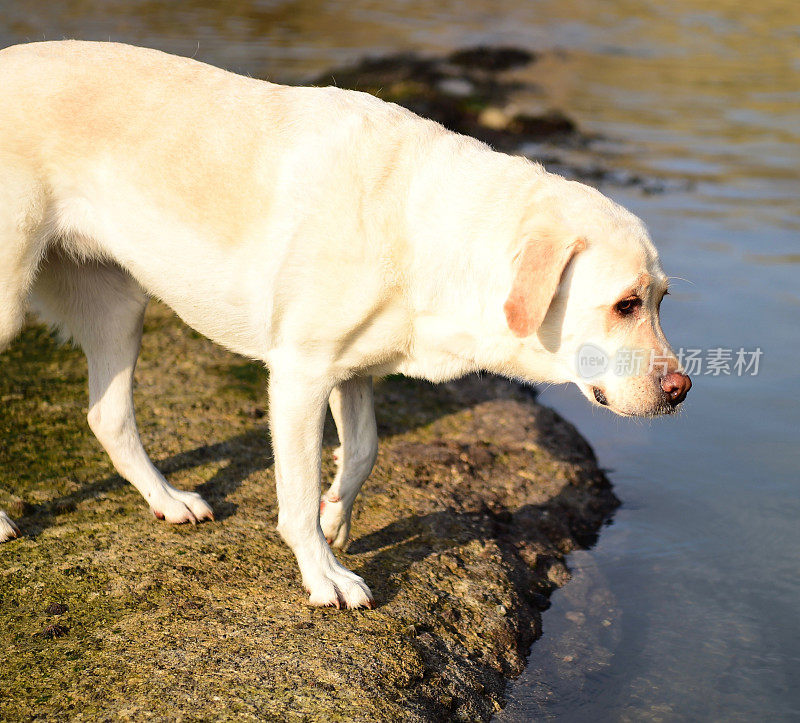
x: 688, y: 606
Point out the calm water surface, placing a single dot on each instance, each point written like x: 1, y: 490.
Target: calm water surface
x: 688, y: 607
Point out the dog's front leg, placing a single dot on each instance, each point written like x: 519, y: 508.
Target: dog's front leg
x: 353, y: 411
x: 297, y: 403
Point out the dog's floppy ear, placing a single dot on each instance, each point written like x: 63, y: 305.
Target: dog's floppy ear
x: 539, y: 266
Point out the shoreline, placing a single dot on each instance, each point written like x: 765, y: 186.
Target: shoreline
x: 478, y: 495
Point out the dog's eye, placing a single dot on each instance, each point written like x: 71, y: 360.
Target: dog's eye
x: 626, y: 307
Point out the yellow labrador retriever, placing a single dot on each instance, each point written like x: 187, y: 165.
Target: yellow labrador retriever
x: 333, y: 236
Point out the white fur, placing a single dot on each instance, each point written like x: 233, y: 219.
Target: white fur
x: 8, y: 530
x: 329, y: 234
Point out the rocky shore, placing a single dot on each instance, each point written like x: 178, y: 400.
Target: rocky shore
x: 462, y: 531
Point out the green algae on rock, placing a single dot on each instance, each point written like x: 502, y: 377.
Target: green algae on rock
x: 461, y: 531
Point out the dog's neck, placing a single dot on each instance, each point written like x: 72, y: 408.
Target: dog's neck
x: 462, y: 271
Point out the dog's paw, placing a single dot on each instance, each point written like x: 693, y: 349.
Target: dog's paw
x: 8, y: 530
x: 179, y: 507
x: 198, y: 506
x: 335, y: 522
x: 339, y: 588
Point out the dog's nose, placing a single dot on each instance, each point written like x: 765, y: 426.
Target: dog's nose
x: 676, y: 386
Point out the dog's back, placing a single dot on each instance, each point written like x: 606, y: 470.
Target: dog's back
x: 190, y: 177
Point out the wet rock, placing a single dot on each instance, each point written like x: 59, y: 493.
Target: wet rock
x: 53, y: 631
x: 466, y: 91
x: 461, y: 531
x: 551, y: 123
x: 471, y: 91
x: 490, y: 58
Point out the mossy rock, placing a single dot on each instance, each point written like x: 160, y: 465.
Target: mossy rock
x: 461, y: 531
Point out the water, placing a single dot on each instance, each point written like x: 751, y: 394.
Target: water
x: 688, y: 606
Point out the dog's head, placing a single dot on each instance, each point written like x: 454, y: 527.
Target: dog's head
x: 585, y: 292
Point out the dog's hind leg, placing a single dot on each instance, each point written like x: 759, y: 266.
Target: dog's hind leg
x: 21, y: 247
x: 8, y: 530
x: 353, y: 411
x: 102, y: 309
x: 15, y: 278
x: 14, y: 283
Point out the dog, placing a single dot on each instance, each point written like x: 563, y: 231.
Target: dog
x: 331, y: 235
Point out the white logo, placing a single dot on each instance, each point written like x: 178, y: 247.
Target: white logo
x: 591, y: 361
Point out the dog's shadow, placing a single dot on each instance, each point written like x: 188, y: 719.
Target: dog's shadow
x: 386, y: 554
x: 402, y: 405
x: 246, y: 453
